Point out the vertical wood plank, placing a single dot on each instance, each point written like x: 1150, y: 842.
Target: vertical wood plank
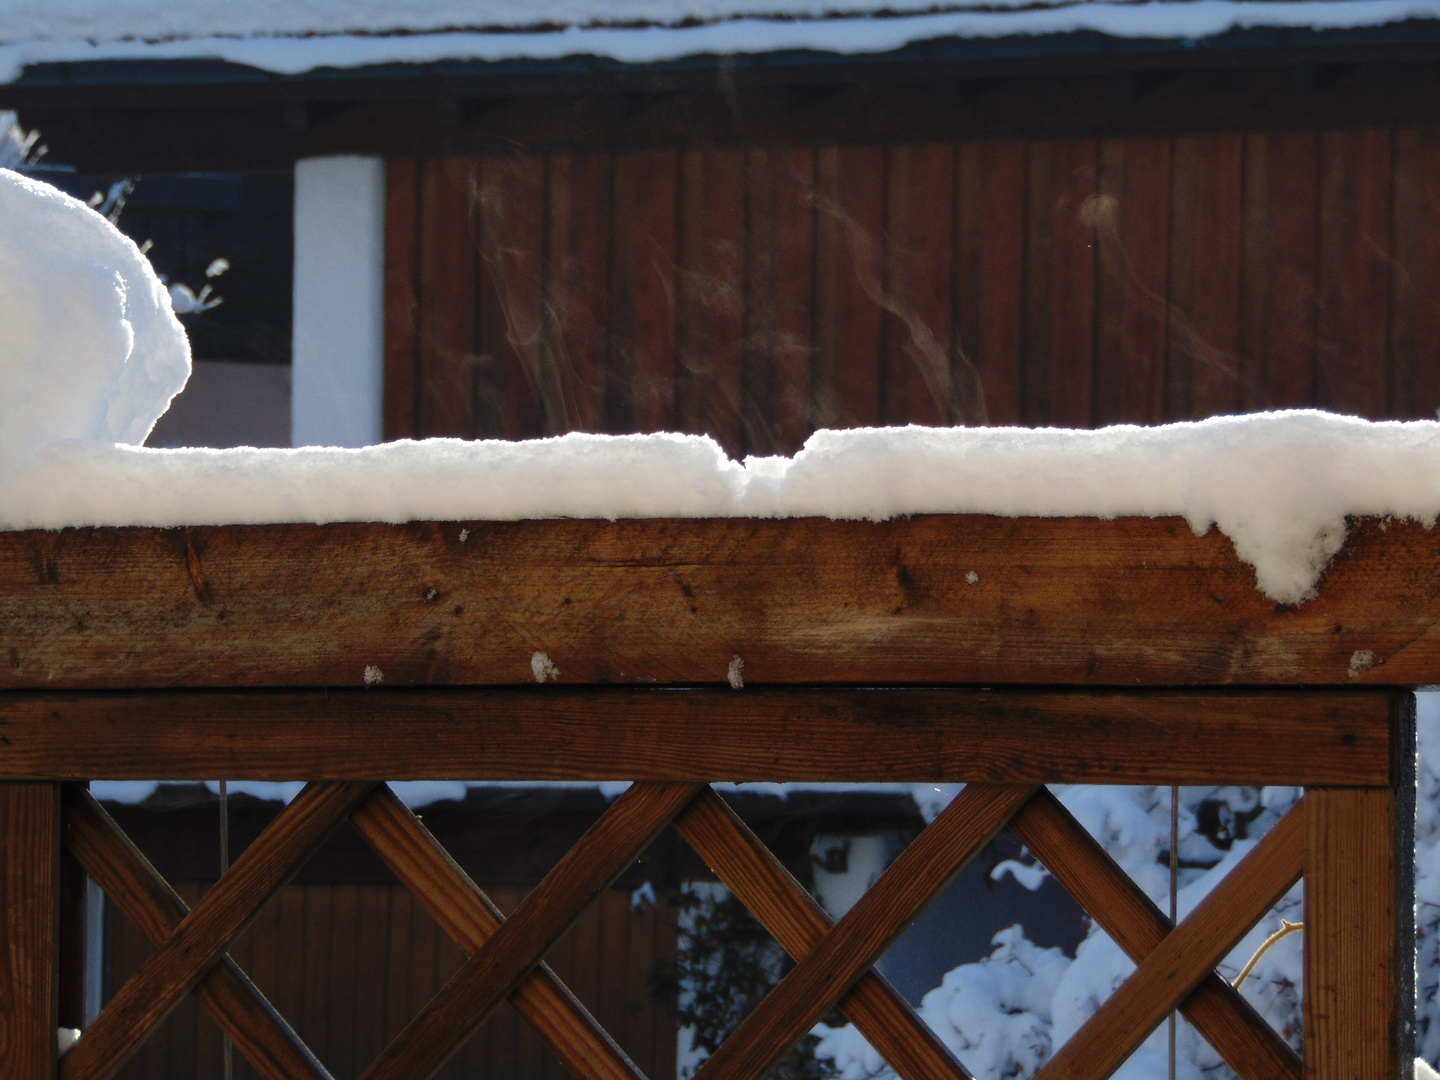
x: 710, y: 326
x: 776, y: 412
x: 641, y: 361
x: 372, y: 950
x: 341, y: 981
x: 577, y: 275
x: 1132, y: 227
x: 1414, y: 336
x: 402, y: 194
x: 1277, y: 286
x: 850, y: 206
x: 990, y: 222
x: 445, y: 395
x: 919, y: 247
x: 289, y: 987
x: 1059, y: 284
x: 527, y: 400
x: 667, y: 939
x: 1356, y: 951
x: 314, y: 1025
x: 1354, y: 271
x: 29, y: 914
x: 398, y: 1005
x: 1202, y: 352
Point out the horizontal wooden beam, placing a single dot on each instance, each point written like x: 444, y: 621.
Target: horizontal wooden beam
x: 940, y: 599
x: 706, y: 734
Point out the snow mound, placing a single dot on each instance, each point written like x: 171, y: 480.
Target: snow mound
x: 89, y: 347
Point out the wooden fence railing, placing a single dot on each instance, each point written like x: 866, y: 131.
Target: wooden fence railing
x: 167, y: 655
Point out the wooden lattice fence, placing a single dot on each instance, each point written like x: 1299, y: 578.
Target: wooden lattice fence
x: 920, y: 650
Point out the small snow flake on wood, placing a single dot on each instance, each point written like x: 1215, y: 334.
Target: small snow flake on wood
x: 972, y: 578
x: 544, y: 668
x: 373, y: 675
x: 735, y: 674
x: 464, y: 535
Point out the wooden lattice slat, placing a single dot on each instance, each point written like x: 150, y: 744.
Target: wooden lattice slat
x: 1226, y: 1020
x: 488, y: 977
x: 468, y: 916
x: 1189, y: 953
x: 816, y: 984
x: 261, y: 1034
x: 202, y: 937
x: 799, y: 924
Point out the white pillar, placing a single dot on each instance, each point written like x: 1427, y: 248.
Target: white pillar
x: 338, y: 339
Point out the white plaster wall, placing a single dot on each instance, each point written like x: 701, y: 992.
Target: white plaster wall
x: 338, y: 376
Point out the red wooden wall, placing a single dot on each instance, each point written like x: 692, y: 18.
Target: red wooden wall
x: 349, y: 965
x: 759, y: 293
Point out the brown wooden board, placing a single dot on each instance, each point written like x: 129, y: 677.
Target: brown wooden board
x: 29, y: 912
x: 445, y: 349
x: 1060, y: 601
x: 919, y: 735
x: 1354, y: 272
x: 1357, y: 953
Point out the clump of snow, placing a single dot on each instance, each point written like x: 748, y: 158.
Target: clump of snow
x: 89, y: 346
x: 373, y: 676
x: 735, y: 673
x: 1280, y: 485
x: 543, y: 668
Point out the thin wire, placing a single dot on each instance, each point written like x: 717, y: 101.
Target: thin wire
x: 1174, y: 893
x: 227, y: 1051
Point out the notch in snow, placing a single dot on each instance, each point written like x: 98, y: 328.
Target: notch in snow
x: 543, y: 668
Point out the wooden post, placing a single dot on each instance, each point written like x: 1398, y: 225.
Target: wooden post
x: 1359, y: 923
x: 29, y: 914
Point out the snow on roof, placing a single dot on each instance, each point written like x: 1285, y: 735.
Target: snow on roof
x: 90, y: 356
x: 288, y: 37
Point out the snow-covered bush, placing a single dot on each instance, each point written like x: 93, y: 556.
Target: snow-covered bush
x: 1004, y: 1016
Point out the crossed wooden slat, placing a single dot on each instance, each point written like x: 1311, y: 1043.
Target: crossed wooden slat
x: 833, y: 963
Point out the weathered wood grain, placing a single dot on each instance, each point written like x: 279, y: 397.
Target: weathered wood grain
x: 799, y: 924
x: 1354, y: 957
x: 611, y: 844
x: 1187, y: 955
x: 821, y: 978
x: 29, y: 912
x: 202, y: 937
x: 468, y: 916
x: 1223, y: 1018
x: 140, y: 894
x: 596, y: 733
x: 1080, y: 601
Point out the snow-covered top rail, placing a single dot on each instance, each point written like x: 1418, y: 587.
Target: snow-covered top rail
x: 1280, y: 486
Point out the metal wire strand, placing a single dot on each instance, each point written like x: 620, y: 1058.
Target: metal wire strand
x: 227, y: 1051
x: 1174, y: 903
